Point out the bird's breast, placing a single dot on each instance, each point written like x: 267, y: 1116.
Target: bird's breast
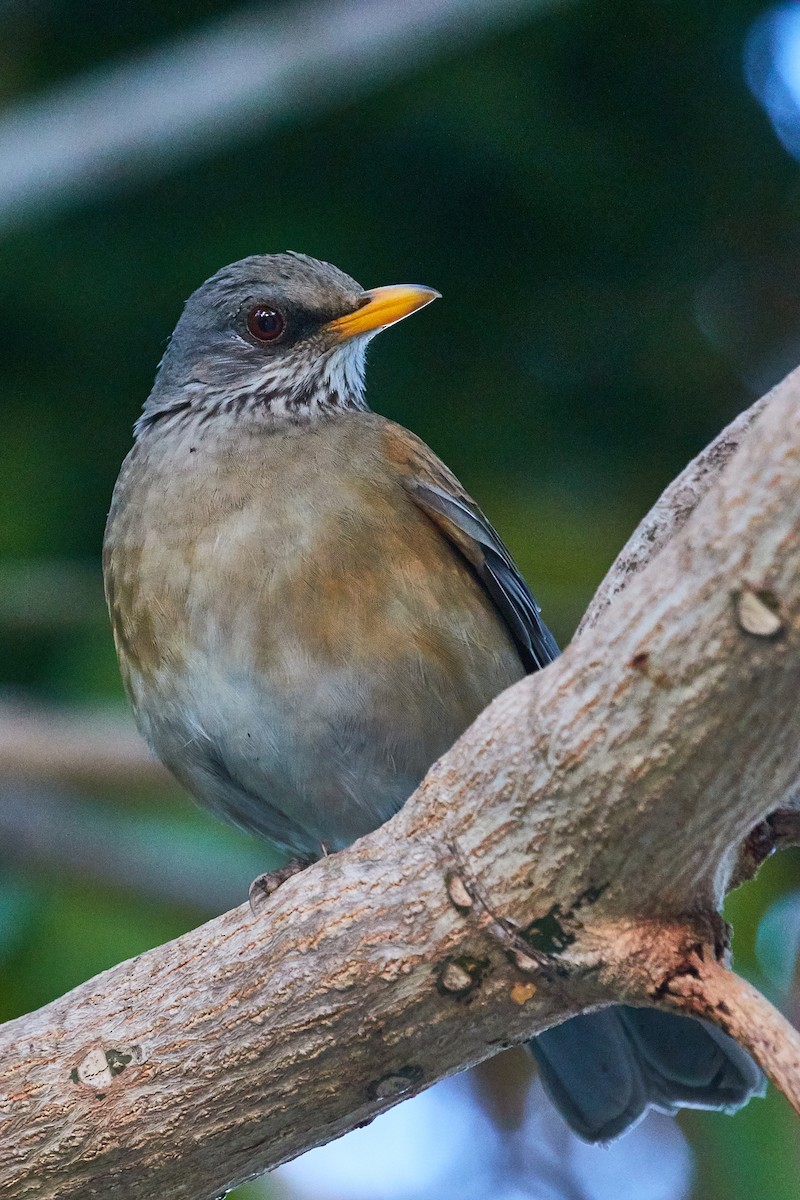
x: 285, y: 599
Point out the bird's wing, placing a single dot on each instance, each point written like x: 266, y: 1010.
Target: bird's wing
x: 466, y: 527
x: 439, y: 494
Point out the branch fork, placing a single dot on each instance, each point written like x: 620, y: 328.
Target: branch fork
x: 571, y: 850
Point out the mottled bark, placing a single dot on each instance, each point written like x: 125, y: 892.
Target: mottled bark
x: 572, y: 849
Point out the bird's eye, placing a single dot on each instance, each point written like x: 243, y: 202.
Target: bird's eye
x: 264, y: 323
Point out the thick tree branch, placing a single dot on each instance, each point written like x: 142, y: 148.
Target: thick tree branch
x: 570, y: 850
x: 672, y: 509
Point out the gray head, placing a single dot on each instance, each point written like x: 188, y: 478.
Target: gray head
x: 282, y: 335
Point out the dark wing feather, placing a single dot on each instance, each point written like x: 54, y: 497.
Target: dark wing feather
x: 467, y: 528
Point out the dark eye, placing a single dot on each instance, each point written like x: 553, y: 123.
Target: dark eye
x: 265, y: 323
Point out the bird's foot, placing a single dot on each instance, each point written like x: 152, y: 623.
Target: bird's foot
x: 265, y: 885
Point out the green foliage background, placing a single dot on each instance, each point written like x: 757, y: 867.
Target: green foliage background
x: 614, y: 228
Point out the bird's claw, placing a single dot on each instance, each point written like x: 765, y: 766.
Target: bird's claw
x: 263, y: 886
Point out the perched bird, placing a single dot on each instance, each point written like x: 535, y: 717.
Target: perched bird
x: 309, y: 609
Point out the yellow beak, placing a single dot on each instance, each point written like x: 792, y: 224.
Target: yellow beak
x: 383, y: 306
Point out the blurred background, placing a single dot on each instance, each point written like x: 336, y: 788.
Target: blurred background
x: 608, y: 197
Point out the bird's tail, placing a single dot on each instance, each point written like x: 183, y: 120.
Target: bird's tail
x: 603, y: 1070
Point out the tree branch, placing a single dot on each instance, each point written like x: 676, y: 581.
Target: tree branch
x: 184, y: 98
x: 93, y: 749
x: 568, y: 852
x: 718, y: 995
x: 689, y: 974
x: 673, y: 509
x: 779, y: 831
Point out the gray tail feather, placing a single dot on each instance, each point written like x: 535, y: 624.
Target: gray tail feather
x: 603, y: 1070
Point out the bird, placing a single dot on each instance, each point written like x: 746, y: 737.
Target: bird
x: 309, y: 609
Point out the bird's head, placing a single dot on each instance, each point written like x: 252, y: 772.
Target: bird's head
x: 282, y: 335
